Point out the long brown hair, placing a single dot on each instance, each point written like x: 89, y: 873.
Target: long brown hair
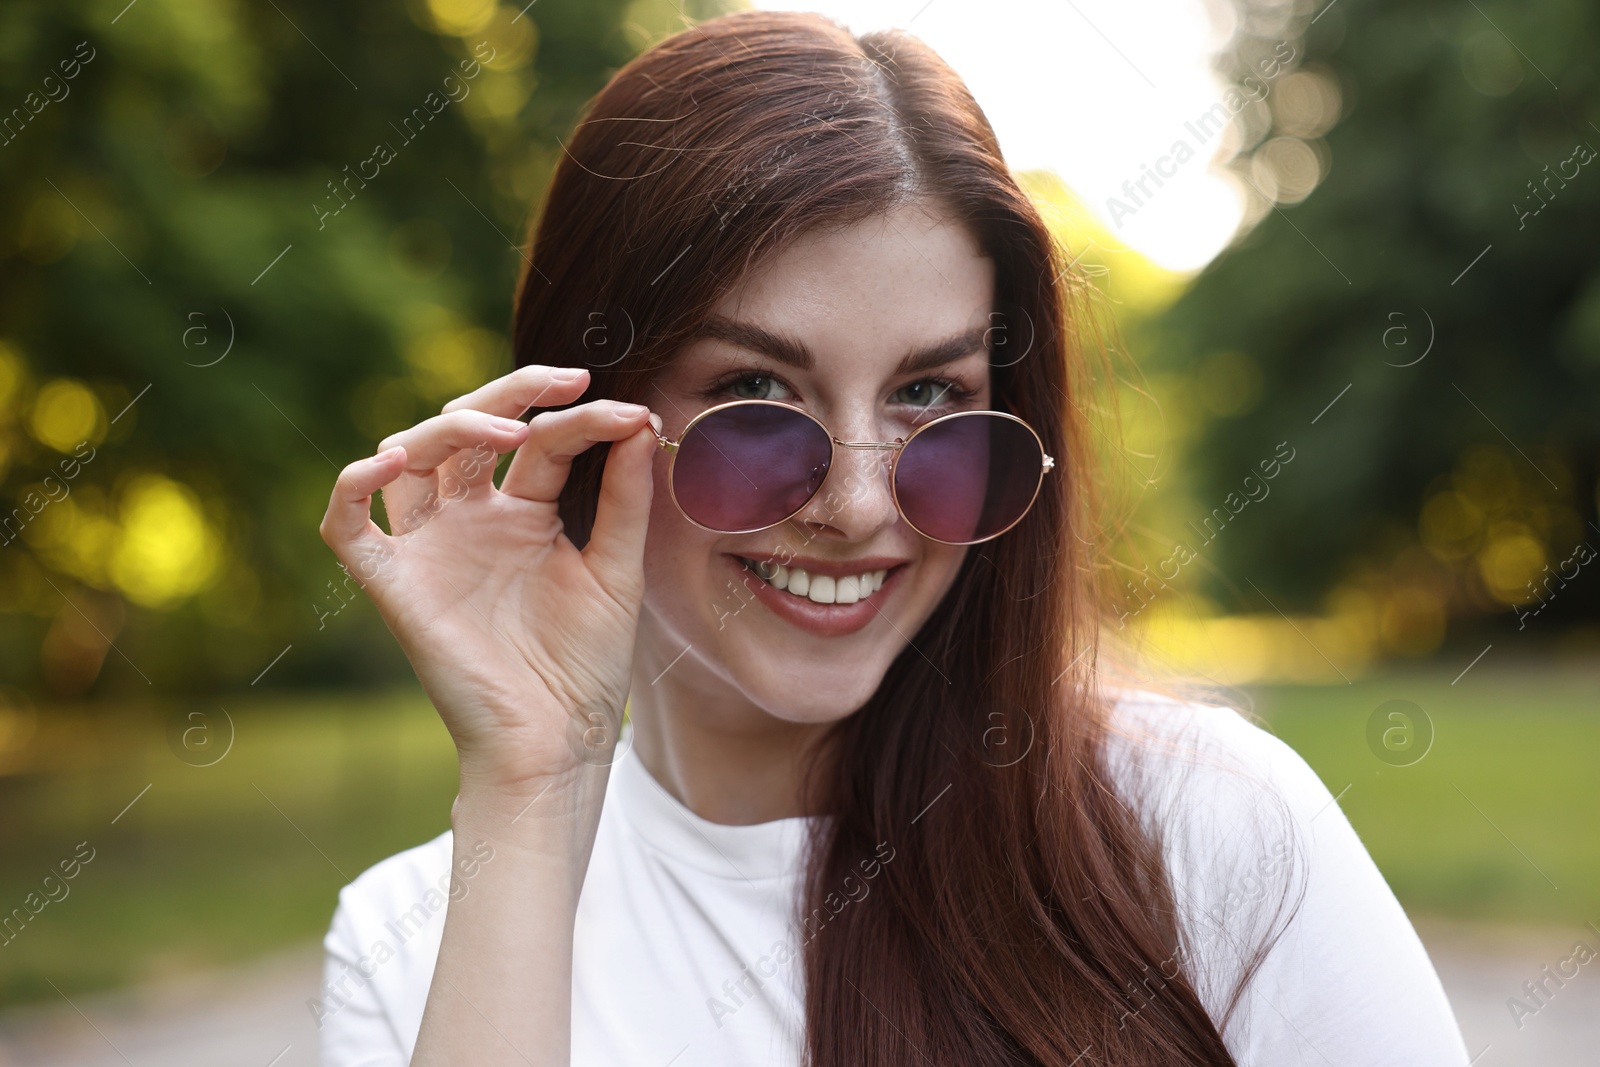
x: 1024, y: 905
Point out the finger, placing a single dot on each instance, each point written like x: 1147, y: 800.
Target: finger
x: 447, y: 455
x: 432, y: 442
x: 615, y: 552
x: 347, y: 526
x: 510, y: 395
x: 406, y: 495
x: 507, y: 396
x: 540, y: 467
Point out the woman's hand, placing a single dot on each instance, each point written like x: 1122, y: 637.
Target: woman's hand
x: 523, y: 642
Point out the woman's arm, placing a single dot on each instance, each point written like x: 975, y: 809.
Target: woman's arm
x: 524, y: 643
x: 502, y: 986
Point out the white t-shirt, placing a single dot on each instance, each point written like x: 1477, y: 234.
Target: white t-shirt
x: 686, y: 949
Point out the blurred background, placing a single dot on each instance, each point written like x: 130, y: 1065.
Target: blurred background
x: 1355, y: 471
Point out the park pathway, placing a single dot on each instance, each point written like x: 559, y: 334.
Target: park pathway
x: 256, y: 1016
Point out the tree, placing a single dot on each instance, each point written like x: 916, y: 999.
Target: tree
x: 1422, y: 329
x: 239, y: 244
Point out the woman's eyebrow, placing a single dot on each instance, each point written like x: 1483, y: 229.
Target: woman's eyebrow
x: 794, y: 352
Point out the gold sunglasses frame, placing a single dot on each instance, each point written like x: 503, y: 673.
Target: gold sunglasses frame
x: 897, y: 446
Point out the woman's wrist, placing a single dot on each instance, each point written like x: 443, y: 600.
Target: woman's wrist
x: 557, y: 820
x: 502, y: 983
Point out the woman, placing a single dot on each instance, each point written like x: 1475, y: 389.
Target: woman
x: 877, y: 799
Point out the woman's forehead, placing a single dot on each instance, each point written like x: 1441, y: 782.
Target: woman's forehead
x: 906, y: 281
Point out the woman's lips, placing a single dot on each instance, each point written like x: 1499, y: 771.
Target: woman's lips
x: 824, y: 620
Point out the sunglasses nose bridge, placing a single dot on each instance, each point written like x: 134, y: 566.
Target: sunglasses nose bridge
x: 886, y: 450
x: 880, y: 454
x: 846, y: 495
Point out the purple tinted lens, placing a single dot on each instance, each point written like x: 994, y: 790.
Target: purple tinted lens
x: 968, y: 478
x: 749, y: 466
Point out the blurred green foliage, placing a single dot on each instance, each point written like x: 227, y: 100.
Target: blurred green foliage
x: 1423, y: 330
x: 216, y: 290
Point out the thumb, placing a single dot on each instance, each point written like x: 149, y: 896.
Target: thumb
x: 615, y: 552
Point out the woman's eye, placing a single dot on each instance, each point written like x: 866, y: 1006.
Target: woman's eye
x: 925, y: 394
x: 755, y: 387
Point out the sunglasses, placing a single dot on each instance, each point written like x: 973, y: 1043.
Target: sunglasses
x: 959, y: 479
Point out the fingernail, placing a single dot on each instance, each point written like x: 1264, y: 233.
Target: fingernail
x: 510, y: 425
x: 630, y: 411
x: 388, y: 453
x: 569, y: 374
x: 655, y: 420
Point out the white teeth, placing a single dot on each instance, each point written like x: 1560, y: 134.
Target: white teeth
x: 825, y: 589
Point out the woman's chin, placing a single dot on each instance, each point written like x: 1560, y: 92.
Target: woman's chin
x: 808, y: 697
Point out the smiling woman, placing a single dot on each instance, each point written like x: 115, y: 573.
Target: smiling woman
x: 838, y: 567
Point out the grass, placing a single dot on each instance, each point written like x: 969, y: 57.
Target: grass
x: 212, y: 864
x: 217, y: 864
x: 1498, y: 820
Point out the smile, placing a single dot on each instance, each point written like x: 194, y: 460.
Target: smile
x: 826, y: 598
x: 818, y: 588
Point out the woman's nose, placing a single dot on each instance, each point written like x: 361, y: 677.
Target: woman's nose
x: 855, y: 498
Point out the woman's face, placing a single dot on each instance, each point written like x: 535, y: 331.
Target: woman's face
x: 826, y: 326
